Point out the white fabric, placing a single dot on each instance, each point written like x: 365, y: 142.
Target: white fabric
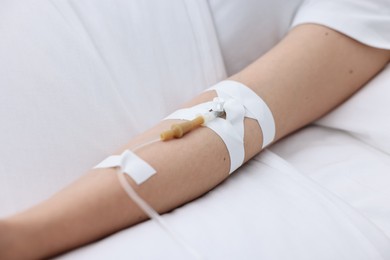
x: 367, y: 21
x: 70, y: 72
x: 249, y: 28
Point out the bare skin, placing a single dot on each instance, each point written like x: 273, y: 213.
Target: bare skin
x: 311, y: 71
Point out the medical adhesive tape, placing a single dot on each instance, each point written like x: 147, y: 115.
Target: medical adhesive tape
x: 130, y: 163
x: 240, y: 102
x: 255, y: 107
x: 229, y: 134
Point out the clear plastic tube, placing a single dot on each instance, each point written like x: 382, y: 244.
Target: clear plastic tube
x: 146, y: 208
x: 145, y: 144
x: 150, y: 212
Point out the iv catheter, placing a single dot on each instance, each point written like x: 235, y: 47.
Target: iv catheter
x: 179, y: 130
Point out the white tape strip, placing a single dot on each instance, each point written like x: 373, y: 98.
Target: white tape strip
x: 130, y: 163
x: 255, y: 107
x: 240, y: 102
x: 231, y: 130
x: 232, y: 140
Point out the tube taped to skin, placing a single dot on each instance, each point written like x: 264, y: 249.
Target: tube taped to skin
x: 255, y: 107
x: 131, y: 164
x: 239, y: 102
x: 229, y: 134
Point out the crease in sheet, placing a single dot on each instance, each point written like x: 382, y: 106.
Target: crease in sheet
x: 205, y: 37
x: 376, y: 240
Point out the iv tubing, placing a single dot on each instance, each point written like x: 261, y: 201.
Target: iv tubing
x: 150, y: 212
x: 176, y: 131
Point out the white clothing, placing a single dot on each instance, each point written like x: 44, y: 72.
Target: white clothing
x: 248, y: 28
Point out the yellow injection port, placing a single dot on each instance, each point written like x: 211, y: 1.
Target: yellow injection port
x: 179, y: 130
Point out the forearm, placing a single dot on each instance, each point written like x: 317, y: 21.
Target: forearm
x: 311, y: 71
x: 96, y: 204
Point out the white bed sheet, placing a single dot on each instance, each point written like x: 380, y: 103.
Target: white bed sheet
x: 267, y: 210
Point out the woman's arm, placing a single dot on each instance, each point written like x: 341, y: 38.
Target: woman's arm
x: 307, y: 74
